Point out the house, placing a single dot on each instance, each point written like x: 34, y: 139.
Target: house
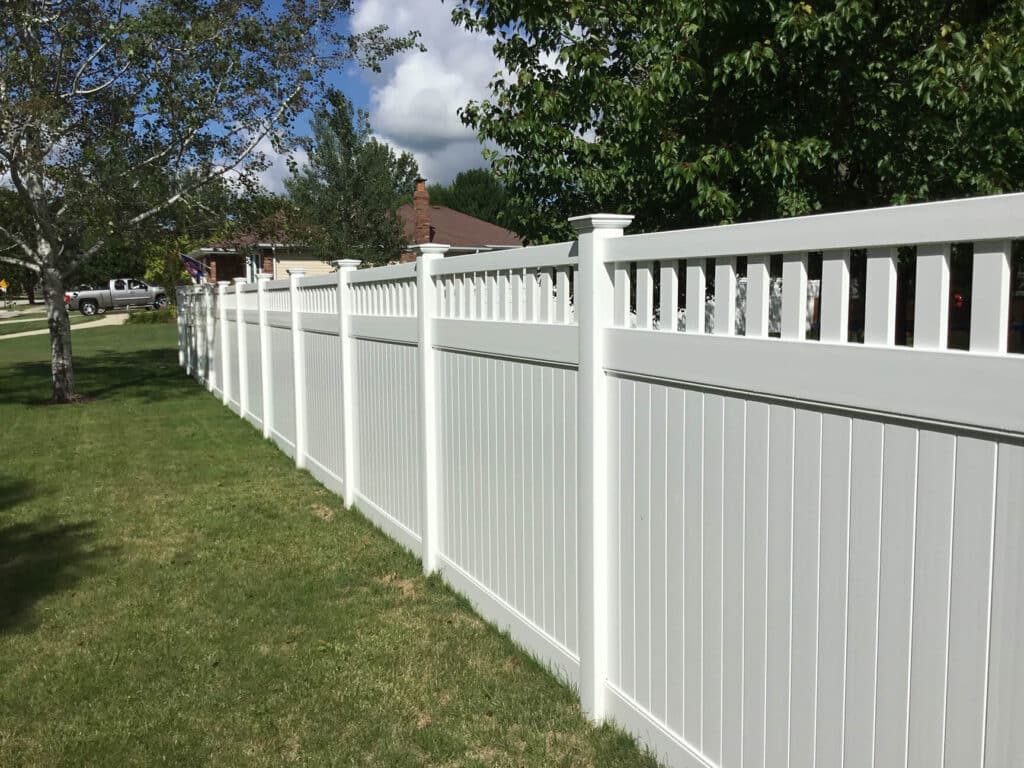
x: 426, y: 223
x: 248, y: 254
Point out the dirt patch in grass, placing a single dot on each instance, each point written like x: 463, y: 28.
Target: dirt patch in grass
x: 406, y: 586
x: 323, y: 512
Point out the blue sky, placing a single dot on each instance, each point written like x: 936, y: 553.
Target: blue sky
x: 413, y: 102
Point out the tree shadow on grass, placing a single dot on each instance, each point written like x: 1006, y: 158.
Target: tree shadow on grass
x: 41, y: 558
x: 151, y: 375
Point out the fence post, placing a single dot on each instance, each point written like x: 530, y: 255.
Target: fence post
x: 426, y: 304
x: 242, y: 349
x: 179, y: 293
x: 594, y: 298
x: 298, y: 368
x: 347, y: 383
x: 208, y: 370
x: 261, y: 306
x: 224, y: 375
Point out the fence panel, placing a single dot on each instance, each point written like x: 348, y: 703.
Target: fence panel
x: 774, y: 534
x: 388, y: 462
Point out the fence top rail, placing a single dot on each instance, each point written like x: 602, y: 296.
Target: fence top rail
x: 319, y: 281
x: 534, y: 256
x: 278, y: 285
x: 383, y: 274
x: 250, y: 288
x: 998, y: 217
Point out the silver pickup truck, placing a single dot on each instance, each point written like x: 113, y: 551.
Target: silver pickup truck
x: 121, y: 293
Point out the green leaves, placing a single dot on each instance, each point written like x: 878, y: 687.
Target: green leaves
x: 345, y: 199
x: 694, y: 112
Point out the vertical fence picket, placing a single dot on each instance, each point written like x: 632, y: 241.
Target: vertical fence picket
x: 794, y: 296
x: 880, y: 297
x: 758, y: 285
x: 725, y: 296
x: 669, y: 296
x: 990, y: 302
x: 931, y: 297
x: 696, y: 296
x: 835, y: 295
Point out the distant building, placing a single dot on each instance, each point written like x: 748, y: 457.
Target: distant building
x: 426, y: 223
x: 248, y: 254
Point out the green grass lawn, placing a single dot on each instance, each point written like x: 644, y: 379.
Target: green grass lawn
x: 174, y: 592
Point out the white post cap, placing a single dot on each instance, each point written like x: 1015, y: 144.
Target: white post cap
x: 240, y: 280
x: 594, y: 221
x: 263, y: 277
x: 346, y: 263
x: 427, y: 249
x: 297, y: 272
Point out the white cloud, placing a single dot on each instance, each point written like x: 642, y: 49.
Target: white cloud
x: 414, y: 102
x: 274, y: 175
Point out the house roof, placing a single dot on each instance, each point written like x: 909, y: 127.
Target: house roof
x: 457, y: 229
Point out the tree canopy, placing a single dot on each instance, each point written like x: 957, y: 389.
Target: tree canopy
x: 475, y: 192
x: 707, y: 111
x: 347, y: 195
x: 112, y: 112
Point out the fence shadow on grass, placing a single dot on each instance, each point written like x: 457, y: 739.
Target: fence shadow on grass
x: 150, y: 375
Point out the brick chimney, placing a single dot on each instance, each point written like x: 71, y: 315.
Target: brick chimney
x: 421, y: 211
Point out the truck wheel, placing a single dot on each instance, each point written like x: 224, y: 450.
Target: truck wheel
x: 161, y: 302
x: 88, y: 307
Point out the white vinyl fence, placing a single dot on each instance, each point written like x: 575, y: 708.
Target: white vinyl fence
x: 746, y: 550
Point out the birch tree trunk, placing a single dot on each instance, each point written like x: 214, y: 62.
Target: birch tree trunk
x: 60, y: 336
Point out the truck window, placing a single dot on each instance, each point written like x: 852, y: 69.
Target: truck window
x: 119, y: 285
x: 137, y: 284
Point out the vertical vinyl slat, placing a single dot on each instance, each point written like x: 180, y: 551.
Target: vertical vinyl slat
x: 895, y: 601
x: 835, y: 296
x: 501, y: 303
x: 832, y: 599
x: 973, y: 510
x: 714, y: 461
x: 642, y: 540
x: 806, y: 522
x: 693, y: 487
x: 1004, y: 737
x: 862, y: 612
x: 733, y: 527
x: 620, y: 302
x: 676, y: 604
x: 757, y: 296
x: 880, y: 297
x: 562, y: 307
x: 547, y: 306
x: 755, y: 581
x: 794, y: 296
x: 480, y: 312
x: 779, y: 588
x: 627, y: 535
x: 658, y: 555
x: 696, y: 293
x: 931, y: 297
x: 644, y: 294
x: 936, y: 470
x: 990, y: 296
x: 725, y: 296
x: 518, y: 297
x: 668, y: 299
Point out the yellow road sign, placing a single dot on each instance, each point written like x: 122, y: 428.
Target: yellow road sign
x: 3, y: 285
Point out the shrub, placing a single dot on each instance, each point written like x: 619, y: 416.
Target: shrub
x: 165, y: 315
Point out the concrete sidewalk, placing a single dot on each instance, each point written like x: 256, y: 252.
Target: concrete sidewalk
x: 105, y: 321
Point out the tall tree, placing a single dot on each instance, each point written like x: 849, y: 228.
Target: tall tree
x: 706, y: 111
x: 111, y: 112
x: 346, y: 197
x: 476, y: 192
